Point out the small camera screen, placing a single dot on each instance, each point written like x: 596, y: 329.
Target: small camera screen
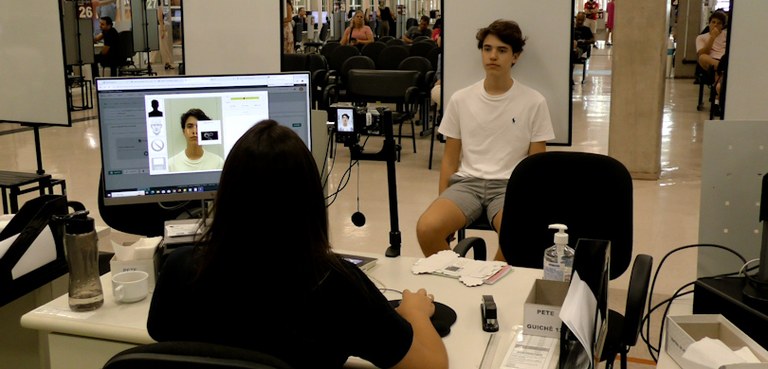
x: 345, y: 120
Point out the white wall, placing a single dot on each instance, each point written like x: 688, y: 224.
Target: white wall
x: 544, y: 64
x: 748, y: 49
x: 231, y: 36
x: 32, y: 84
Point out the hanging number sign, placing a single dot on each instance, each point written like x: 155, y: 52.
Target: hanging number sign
x: 84, y: 9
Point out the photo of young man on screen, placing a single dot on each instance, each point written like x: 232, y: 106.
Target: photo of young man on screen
x: 345, y: 121
x: 199, y: 130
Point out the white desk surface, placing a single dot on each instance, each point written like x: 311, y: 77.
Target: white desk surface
x: 125, y: 324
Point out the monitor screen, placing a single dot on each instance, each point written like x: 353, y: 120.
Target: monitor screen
x: 166, y: 138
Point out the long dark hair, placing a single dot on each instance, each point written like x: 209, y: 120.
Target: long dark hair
x: 269, y: 217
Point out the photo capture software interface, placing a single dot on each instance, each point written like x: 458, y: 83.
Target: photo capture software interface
x: 142, y: 130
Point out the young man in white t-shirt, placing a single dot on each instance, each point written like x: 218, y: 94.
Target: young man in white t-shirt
x: 489, y: 127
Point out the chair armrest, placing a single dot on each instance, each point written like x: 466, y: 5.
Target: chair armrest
x: 469, y: 243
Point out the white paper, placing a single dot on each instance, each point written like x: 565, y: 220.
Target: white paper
x: 450, y: 264
x: 530, y: 352
x: 578, y: 313
x: 709, y: 353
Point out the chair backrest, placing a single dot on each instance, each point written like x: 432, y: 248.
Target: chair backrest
x: 432, y: 55
x: 125, y: 47
x: 384, y: 39
x: 423, y: 66
x: 316, y: 62
x: 590, y: 193
x: 373, y: 50
x: 387, y: 86
x: 192, y: 355
x: 421, y: 38
x: 391, y: 57
x: 637, y: 295
x: 328, y: 48
x: 395, y: 41
x: 356, y: 62
x: 422, y: 48
x: 341, y: 54
x: 294, y: 62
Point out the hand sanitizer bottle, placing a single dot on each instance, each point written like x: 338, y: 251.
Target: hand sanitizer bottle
x: 558, y: 259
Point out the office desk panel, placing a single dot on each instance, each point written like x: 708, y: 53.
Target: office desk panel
x: 87, y: 340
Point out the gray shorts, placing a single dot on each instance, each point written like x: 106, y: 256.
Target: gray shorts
x: 473, y: 195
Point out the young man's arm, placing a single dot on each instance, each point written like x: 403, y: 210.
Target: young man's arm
x: 537, y: 147
x: 450, y: 163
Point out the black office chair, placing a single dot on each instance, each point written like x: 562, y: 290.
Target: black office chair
x: 395, y: 42
x: 294, y: 62
x: 397, y: 87
x: 422, y: 48
x: 385, y: 39
x: 624, y: 329
x: 192, y: 355
x: 336, y: 59
x: 391, y: 57
x: 425, y: 82
x: 337, y: 91
x: 582, y: 57
x: 590, y: 193
x: 373, y: 50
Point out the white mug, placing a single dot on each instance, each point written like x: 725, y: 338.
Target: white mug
x: 130, y: 286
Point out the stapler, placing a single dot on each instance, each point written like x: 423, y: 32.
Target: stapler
x: 488, y: 312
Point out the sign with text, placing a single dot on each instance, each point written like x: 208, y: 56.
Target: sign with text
x: 542, y: 308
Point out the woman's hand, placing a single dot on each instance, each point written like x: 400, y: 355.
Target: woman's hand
x: 416, y: 304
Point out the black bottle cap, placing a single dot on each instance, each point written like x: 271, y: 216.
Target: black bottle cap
x: 79, y: 223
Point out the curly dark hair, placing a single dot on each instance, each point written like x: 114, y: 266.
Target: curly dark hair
x: 194, y: 112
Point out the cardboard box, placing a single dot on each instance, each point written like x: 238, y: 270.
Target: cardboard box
x: 684, y: 330
x: 542, y: 308
x: 147, y: 265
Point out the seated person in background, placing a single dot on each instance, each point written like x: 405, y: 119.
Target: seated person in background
x: 357, y: 33
x: 583, y: 39
x: 328, y: 308
x: 421, y: 30
x: 194, y: 157
x: 110, y: 51
x: 710, y: 46
x: 481, y: 150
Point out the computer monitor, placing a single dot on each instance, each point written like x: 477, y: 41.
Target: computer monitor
x: 143, y: 140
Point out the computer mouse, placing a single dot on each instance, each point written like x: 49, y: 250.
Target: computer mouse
x: 442, y: 319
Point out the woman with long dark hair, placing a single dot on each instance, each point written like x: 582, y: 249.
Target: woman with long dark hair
x: 264, y: 276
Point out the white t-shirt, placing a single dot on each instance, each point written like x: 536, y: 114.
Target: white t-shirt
x: 495, y: 131
x: 718, y: 47
x: 181, y: 163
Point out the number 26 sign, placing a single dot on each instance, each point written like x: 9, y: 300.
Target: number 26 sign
x: 84, y: 9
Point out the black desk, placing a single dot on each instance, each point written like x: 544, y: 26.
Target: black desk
x: 14, y: 184
x: 725, y: 296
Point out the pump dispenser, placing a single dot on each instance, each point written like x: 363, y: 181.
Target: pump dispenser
x: 558, y: 259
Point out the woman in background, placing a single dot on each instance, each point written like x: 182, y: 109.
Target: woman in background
x: 268, y: 242
x: 357, y: 33
x: 288, y: 46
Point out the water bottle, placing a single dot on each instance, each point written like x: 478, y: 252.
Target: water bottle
x: 82, y: 251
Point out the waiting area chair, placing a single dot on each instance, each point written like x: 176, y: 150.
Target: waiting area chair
x: 399, y: 87
x: 192, y: 355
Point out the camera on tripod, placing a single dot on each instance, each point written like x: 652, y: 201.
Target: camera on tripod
x: 353, y: 121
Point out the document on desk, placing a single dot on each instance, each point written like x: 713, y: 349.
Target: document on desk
x: 530, y: 352
x: 578, y: 313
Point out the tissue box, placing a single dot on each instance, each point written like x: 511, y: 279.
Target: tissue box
x: 684, y: 330
x: 542, y: 308
x: 148, y: 265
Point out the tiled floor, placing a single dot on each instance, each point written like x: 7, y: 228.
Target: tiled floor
x: 666, y: 210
